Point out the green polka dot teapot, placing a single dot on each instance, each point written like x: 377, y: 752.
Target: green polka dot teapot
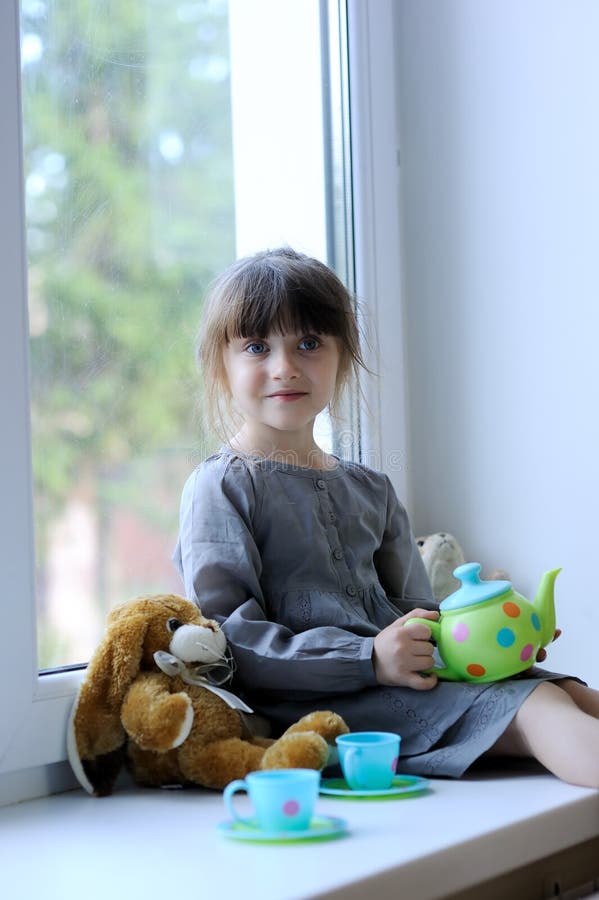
x: 486, y: 631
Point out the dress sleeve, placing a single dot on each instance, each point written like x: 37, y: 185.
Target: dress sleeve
x: 220, y: 564
x: 398, y: 561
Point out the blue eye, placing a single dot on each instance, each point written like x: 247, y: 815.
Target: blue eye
x: 256, y: 348
x: 309, y: 343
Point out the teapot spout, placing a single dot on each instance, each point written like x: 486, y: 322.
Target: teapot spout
x: 544, y: 605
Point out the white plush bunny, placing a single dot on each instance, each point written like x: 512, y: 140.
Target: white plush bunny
x: 441, y: 554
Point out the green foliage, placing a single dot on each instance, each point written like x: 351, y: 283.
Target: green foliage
x: 130, y: 214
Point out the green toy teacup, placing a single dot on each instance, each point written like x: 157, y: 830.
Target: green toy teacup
x: 486, y: 631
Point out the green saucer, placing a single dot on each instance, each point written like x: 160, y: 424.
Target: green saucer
x: 401, y: 786
x: 321, y: 828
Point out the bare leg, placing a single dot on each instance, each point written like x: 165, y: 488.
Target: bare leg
x: 551, y: 727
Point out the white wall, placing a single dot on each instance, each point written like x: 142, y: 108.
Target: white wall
x: 500, y: 181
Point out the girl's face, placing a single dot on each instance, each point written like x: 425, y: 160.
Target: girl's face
x: 280, y: 383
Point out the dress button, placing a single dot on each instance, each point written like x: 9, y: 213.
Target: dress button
x: 350, y: 590
x: 332, y: 517
x: 321, y: 484
x: 338, y: 554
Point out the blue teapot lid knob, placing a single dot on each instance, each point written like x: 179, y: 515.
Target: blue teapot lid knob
x: 473, y: 590
x: 469, y: 574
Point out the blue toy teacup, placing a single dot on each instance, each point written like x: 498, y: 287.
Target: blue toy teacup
x: 369, y: 759
x: 283, y: 799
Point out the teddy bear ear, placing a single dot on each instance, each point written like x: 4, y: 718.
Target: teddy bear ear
x: 96, y: 739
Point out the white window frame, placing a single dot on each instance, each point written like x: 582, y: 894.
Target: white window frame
x: 34, y: 709
x: 374, y: 108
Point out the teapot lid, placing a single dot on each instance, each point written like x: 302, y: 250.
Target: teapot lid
x: 473, y: 590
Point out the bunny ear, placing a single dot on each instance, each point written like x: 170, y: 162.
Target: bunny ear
x: 96, y: 738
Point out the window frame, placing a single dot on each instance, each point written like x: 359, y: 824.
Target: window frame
x: 376, y: 184
x: 35, y: 708
x: 18, y: 688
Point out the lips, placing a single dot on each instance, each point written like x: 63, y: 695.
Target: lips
x: 287, y: 395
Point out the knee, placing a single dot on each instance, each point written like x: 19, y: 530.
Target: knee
x: 584, y: 697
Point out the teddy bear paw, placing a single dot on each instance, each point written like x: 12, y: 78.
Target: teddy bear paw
x: 301, y: 750
x: 163, y: 727
x: 185, y: 726
x: 324, y: 722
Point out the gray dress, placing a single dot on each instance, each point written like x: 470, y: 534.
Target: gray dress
x: 303, y: 568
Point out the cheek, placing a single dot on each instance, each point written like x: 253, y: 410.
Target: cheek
x: 231, y: 375
x: 242, y: 384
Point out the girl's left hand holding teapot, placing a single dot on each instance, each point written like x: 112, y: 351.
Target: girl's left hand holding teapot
x: 401, y: 655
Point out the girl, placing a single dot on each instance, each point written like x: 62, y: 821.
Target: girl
x: 308, y: 561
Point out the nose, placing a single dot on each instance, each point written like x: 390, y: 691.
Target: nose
x: 284, y: 365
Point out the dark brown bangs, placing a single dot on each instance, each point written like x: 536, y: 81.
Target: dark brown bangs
x: 285, y: 293
x: 293, y: 311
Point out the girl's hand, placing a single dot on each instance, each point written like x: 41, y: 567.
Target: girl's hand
x: 401, y: 654
x: 542, y: 653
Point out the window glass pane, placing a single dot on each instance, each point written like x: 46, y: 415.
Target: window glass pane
x: 136, y: 185
x: 129, y: 192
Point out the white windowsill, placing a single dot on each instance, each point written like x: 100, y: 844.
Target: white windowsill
x: 141, y: 842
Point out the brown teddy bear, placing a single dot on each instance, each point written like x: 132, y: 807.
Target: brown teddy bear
x: 153, y: 699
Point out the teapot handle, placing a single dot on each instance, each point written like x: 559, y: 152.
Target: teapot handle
x: 435, y: 627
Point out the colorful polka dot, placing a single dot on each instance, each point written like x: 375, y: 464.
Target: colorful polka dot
x: 505, y: 637
x: 394, y: 765
x: 527, y: 652
x: 460, y: 632
x: 511, y: 609
x: 535, y: 622
x: 475, y: 670
x: 291, y: 808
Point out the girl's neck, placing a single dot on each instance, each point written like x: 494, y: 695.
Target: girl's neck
x: 305, y: 454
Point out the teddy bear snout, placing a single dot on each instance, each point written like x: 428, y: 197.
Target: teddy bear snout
x: 198, y: 644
